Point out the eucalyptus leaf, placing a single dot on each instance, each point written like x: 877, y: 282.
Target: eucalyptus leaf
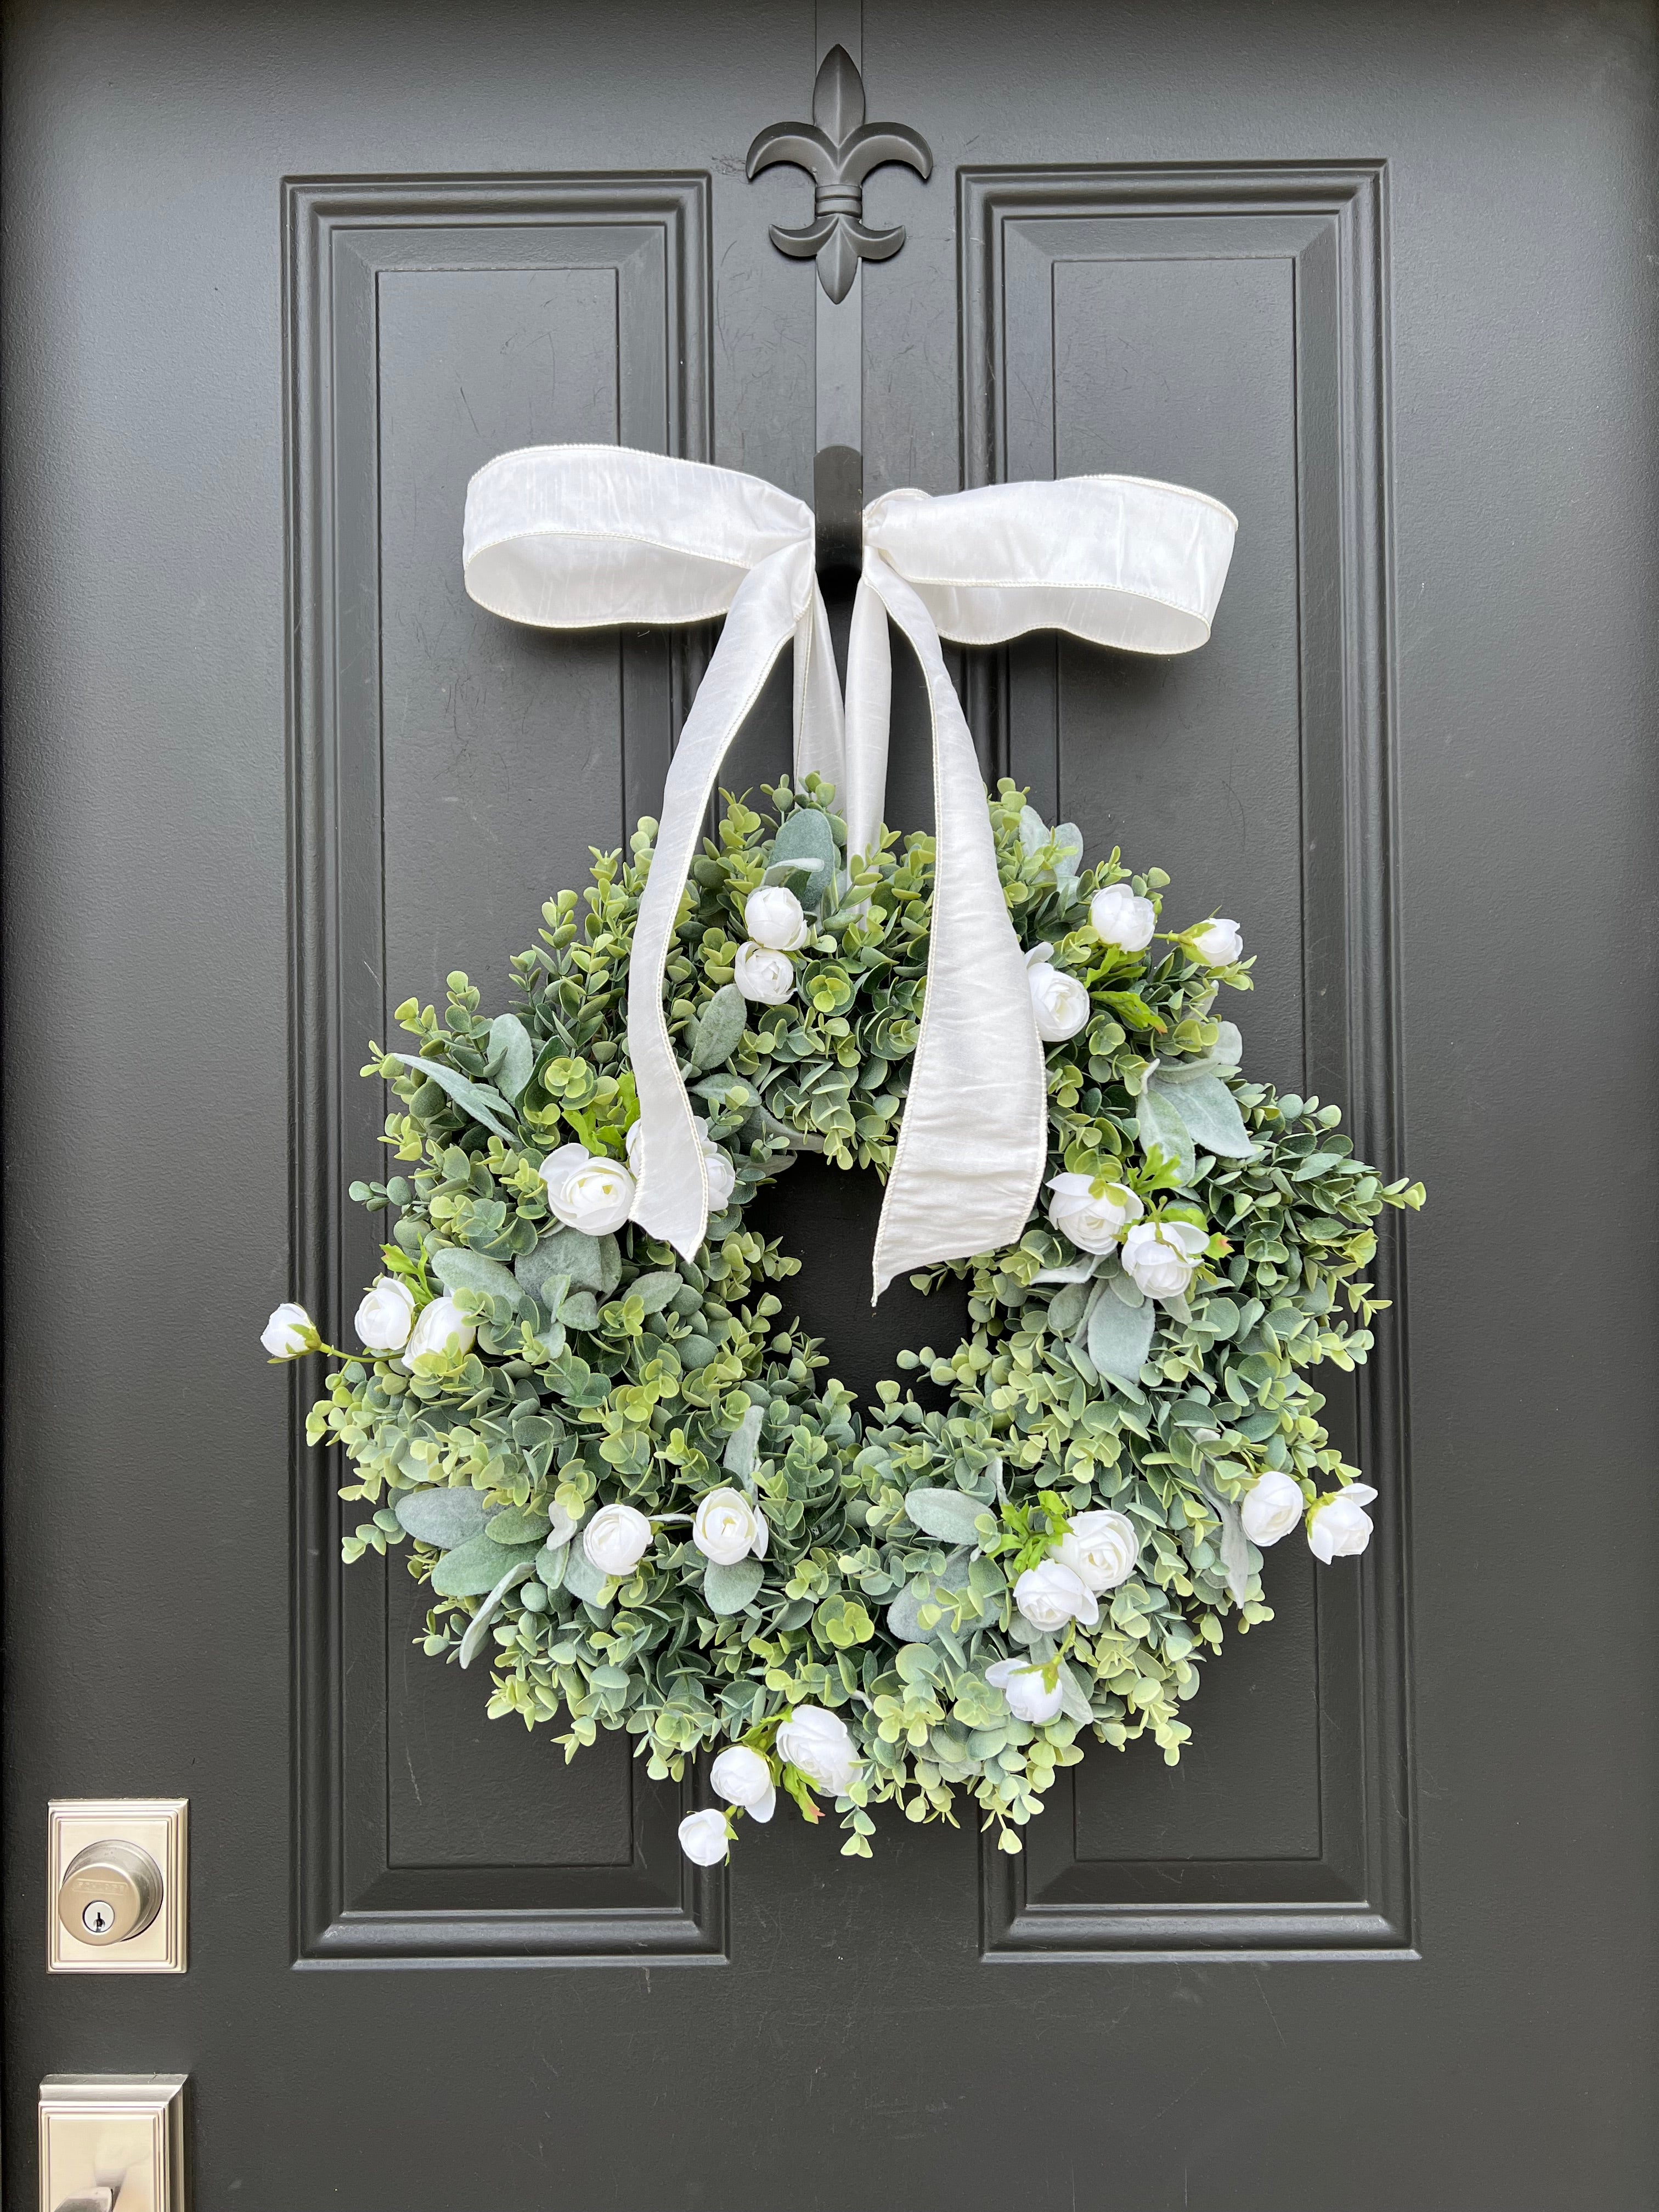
x: 1120, y: 1338
x: 1065, y: 1307
x: 444, y: 1519
x: 459, y: 1269
x: 730, y: 1588
x: 476, y: 1566
x: 654, y: 1290
x: 720, y: 1029
x: 520, y: 1570
x: 805, y: 835
x: 945, y: 1513
x: 1161, y: 1125
x: 512, y: 1054
x: 695, y: 1351
x: 552, y: 1561
x: 902, y: 1614
x: 485, y: 1104
x: 580, y: 1310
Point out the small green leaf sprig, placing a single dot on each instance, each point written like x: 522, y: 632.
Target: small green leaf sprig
x: 888, y: 1636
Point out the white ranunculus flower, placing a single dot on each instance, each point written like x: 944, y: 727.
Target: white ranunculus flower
x: 1218, y: 944
x: 727, y: 1527
x: 617, y: 1539
x: 290, y: 1332
x: 1052, y: 1594
x: 1162, y: 1257
x: 766, y: 978
x: 435, y: 1325
x: 821, y: 1746
x: 1029, y: 1697
x: 1059, y: 1001
x: 743, y: 1778
x: 718, y: 1165
x: 1100, y: 1548
x: 586, y: 1190
x: 775, y: 917
x: 1272, y: 1508
x: 1341, y: 1525
x: 386, y: 1314
x: 1092, y: 1212
x: 704, y: 1837
x: 1121, y: 919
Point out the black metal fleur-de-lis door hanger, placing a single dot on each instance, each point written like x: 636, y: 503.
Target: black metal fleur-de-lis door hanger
x: 838, y: 150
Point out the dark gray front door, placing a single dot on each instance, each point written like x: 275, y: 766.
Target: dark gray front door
x: 1377, y: 278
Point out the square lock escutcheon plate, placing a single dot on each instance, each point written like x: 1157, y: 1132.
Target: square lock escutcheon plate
x: 140, y: 1833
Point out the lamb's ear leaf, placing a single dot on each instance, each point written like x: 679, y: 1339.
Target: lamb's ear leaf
x: 1120, y: 1338
x: 445, y: 1518
x: 1161, y: 1126
x: 1072, y: 1702
x: 1069, y: 839
x: 728, y: 1590
x: 512, y: 1054
x: 459, y: 1269
x: 476, y: 1566
x: 480, y: 1101
x: 805, y: 835
x: 1033, y: 830
x: 581, y: 1578
x: 1234, y: 1544
x: 743, y: 1443
x: 945, y: 1513
x: 520, y: 1571
x: 1065, y: 1307
x: 720, y: 1029
x: 1212, y: 1116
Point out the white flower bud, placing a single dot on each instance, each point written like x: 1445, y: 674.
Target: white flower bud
x: 1342, y: 1527
x: 704, y: 1837
x: 820, y: 1745
x: 1052, y: 1594
x: 617, y: 1539
x: 1027, y: 1696
x: 1100, y: 1548
x: 586, y: 1190
x: 727, y: 1527
x: 1059, y: 1001
x: 1218, y: 944
x: 766, y: 978
x: 773, y: 918
x: 1092, y: 1212
x: 1162, y: 1257
x: 743, y: 1778
x: 1272, y: 1507
x: 386, y: 1314
x: 435, y: 1326
x: 1121, y: 919
x: 289, y: 1334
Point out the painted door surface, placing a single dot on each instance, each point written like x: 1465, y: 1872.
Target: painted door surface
x: 1377, y: 278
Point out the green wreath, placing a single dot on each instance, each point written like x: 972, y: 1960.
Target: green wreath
x: 622, y: 1474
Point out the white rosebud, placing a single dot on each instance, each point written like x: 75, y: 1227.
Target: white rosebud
x: 774, y: 917
x: 586, y: 1190
x: 704, y: 1838
x: 1027, y: 1696
x: 1218, y: 944
x: 1272, y: 1508
x: 1162, y: 1257
x: 727, y: 1529
x: 767, y: 977
x: 1092, y: 1212
x: 718, y: 1165
x: 820, y: 1745
x: 1100, y: 1548
x: 743, y: 1778
x: 386, y: 1314
x: 435, y: 1325
x: 1059, y: 1001
x: 617, y: 1539
x: 1052, y: 1594
x: 1341, y: 1526
x: 1121, y: 919
x: 289, y: 1334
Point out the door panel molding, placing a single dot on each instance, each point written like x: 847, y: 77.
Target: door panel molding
x: 1019, y: 230
x: 643, y: 245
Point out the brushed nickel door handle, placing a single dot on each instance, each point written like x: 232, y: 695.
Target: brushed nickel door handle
x: 92, y: 2200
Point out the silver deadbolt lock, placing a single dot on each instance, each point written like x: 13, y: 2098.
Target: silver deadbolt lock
x: 110, y: 1890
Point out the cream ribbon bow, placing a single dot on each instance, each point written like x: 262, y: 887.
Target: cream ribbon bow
x: 585, y: 537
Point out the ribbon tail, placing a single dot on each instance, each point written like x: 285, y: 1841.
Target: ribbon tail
x: 975, y: 1137
x: 869, y: 714
x: 671, y: 1198
x: 820, y: 737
